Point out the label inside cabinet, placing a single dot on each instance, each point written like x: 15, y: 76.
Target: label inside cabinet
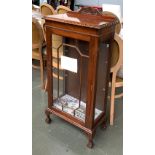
x: 69, y: 64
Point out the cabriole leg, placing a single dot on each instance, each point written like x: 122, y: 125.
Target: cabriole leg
x: 90, y: 141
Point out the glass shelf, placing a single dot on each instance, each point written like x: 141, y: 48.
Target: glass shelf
x: 73, y: 106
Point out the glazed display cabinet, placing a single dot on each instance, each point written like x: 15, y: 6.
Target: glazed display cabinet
x: 78, y: 69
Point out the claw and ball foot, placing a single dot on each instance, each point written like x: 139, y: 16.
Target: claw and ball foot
x: 90, y: 141
x: 48, y: 119
x: 90, y: 144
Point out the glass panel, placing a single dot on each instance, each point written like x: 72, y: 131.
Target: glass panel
x: 56, y: 42
x: 70, y: 79
x: 101, y: 80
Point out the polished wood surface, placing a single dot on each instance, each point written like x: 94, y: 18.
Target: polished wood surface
x: 62, y: 9
x: 76, y: 18
x: 116, y: 62
x: 46, y: 9
x: 92, y: 30
x: 118, y: 25
x: 37, y: 47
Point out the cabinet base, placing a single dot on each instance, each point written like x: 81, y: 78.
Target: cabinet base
x: 89, y: 132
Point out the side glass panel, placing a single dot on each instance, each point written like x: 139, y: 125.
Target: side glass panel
x: 101, y: 80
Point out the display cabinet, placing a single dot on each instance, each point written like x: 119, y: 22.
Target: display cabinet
x: 78, y: 70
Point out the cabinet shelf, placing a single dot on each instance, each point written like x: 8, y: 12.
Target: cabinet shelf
x: 74, y: 107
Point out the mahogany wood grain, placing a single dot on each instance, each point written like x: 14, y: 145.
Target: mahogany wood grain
x: 93, y: 60
x: 49, y: 67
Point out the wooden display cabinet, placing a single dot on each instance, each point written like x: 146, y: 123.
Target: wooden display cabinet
x: 77, y: 90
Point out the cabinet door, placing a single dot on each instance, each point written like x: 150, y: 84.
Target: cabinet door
x: 70, y: 86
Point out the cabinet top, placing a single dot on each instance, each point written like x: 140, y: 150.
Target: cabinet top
x: 86, y: 17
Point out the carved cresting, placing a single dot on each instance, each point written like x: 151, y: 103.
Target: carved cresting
x: 94, y: 11
x: 89, y: 10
